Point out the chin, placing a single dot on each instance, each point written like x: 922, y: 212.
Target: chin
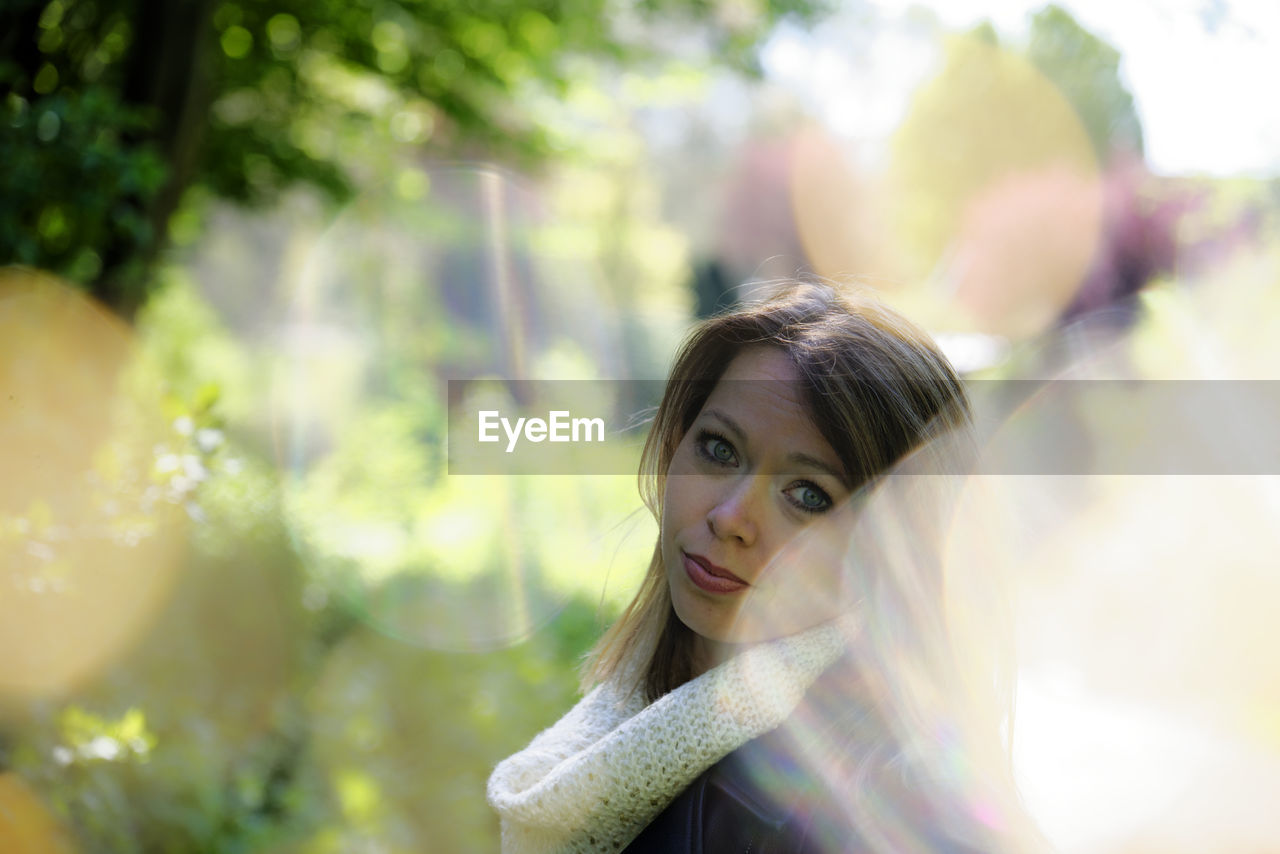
x: 739, y: 624
x: 704, y: 619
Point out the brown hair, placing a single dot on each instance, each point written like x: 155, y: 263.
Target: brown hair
x: 875, y: 385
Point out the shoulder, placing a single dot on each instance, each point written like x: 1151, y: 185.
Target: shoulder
x: 734, y: 806
x: 590, y: 720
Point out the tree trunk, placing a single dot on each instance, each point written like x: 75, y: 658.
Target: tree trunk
x: 168, y: 73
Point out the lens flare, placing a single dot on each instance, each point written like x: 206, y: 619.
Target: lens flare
x: 470, y: 279
x: 91, y: 516
x: 1145, y: 637
x: 904, y: 731
x: 1146, y: 628
x: 837, y: 213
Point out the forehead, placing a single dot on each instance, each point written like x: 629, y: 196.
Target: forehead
x: 761, y: 362
x: 762, y: 387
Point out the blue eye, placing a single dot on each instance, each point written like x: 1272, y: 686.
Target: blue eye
x: 808, y: 497
x: 716, y: 449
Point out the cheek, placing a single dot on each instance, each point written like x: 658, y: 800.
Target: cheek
x: 677, y: 506
x: 800, y: 594
x: 809, y: 569
x: 671, y: 511
x: 685, y: 494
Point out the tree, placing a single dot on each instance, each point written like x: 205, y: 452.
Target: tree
x: 1086, y: 71
x: 116, y: 109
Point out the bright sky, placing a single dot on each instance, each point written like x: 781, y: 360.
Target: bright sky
x: 1202, y: 72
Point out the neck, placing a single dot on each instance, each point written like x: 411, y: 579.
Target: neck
x: 709, y: 653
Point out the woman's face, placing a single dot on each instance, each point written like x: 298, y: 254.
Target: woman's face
x: 755, y: 515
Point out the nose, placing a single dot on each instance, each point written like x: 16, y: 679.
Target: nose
x: 734, y: 516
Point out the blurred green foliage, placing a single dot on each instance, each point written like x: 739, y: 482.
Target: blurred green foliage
x: 66, y: 219
x: 266, y: 707
x: 114, y: 109
x: 272, y: 704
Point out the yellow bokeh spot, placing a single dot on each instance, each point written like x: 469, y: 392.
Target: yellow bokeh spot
x: 358, y: 792
x: 89, y: 533
x: 994, y: 190
x: 412, y: 184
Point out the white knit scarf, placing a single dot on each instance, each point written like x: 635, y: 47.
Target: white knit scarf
x: 600, y: 774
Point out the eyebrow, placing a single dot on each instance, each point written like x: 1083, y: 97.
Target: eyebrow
x: 797, y: 457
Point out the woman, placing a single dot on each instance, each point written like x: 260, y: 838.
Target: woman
x: 784, y: 679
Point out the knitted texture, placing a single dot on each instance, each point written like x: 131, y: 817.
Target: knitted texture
x: 600, y: 774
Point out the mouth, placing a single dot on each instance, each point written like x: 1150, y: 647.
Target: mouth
x: 709, y: 577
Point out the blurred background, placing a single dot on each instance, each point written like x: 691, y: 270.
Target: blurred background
x: 245, y: 607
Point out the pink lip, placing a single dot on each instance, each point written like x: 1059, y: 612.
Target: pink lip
x: 709, y: 577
